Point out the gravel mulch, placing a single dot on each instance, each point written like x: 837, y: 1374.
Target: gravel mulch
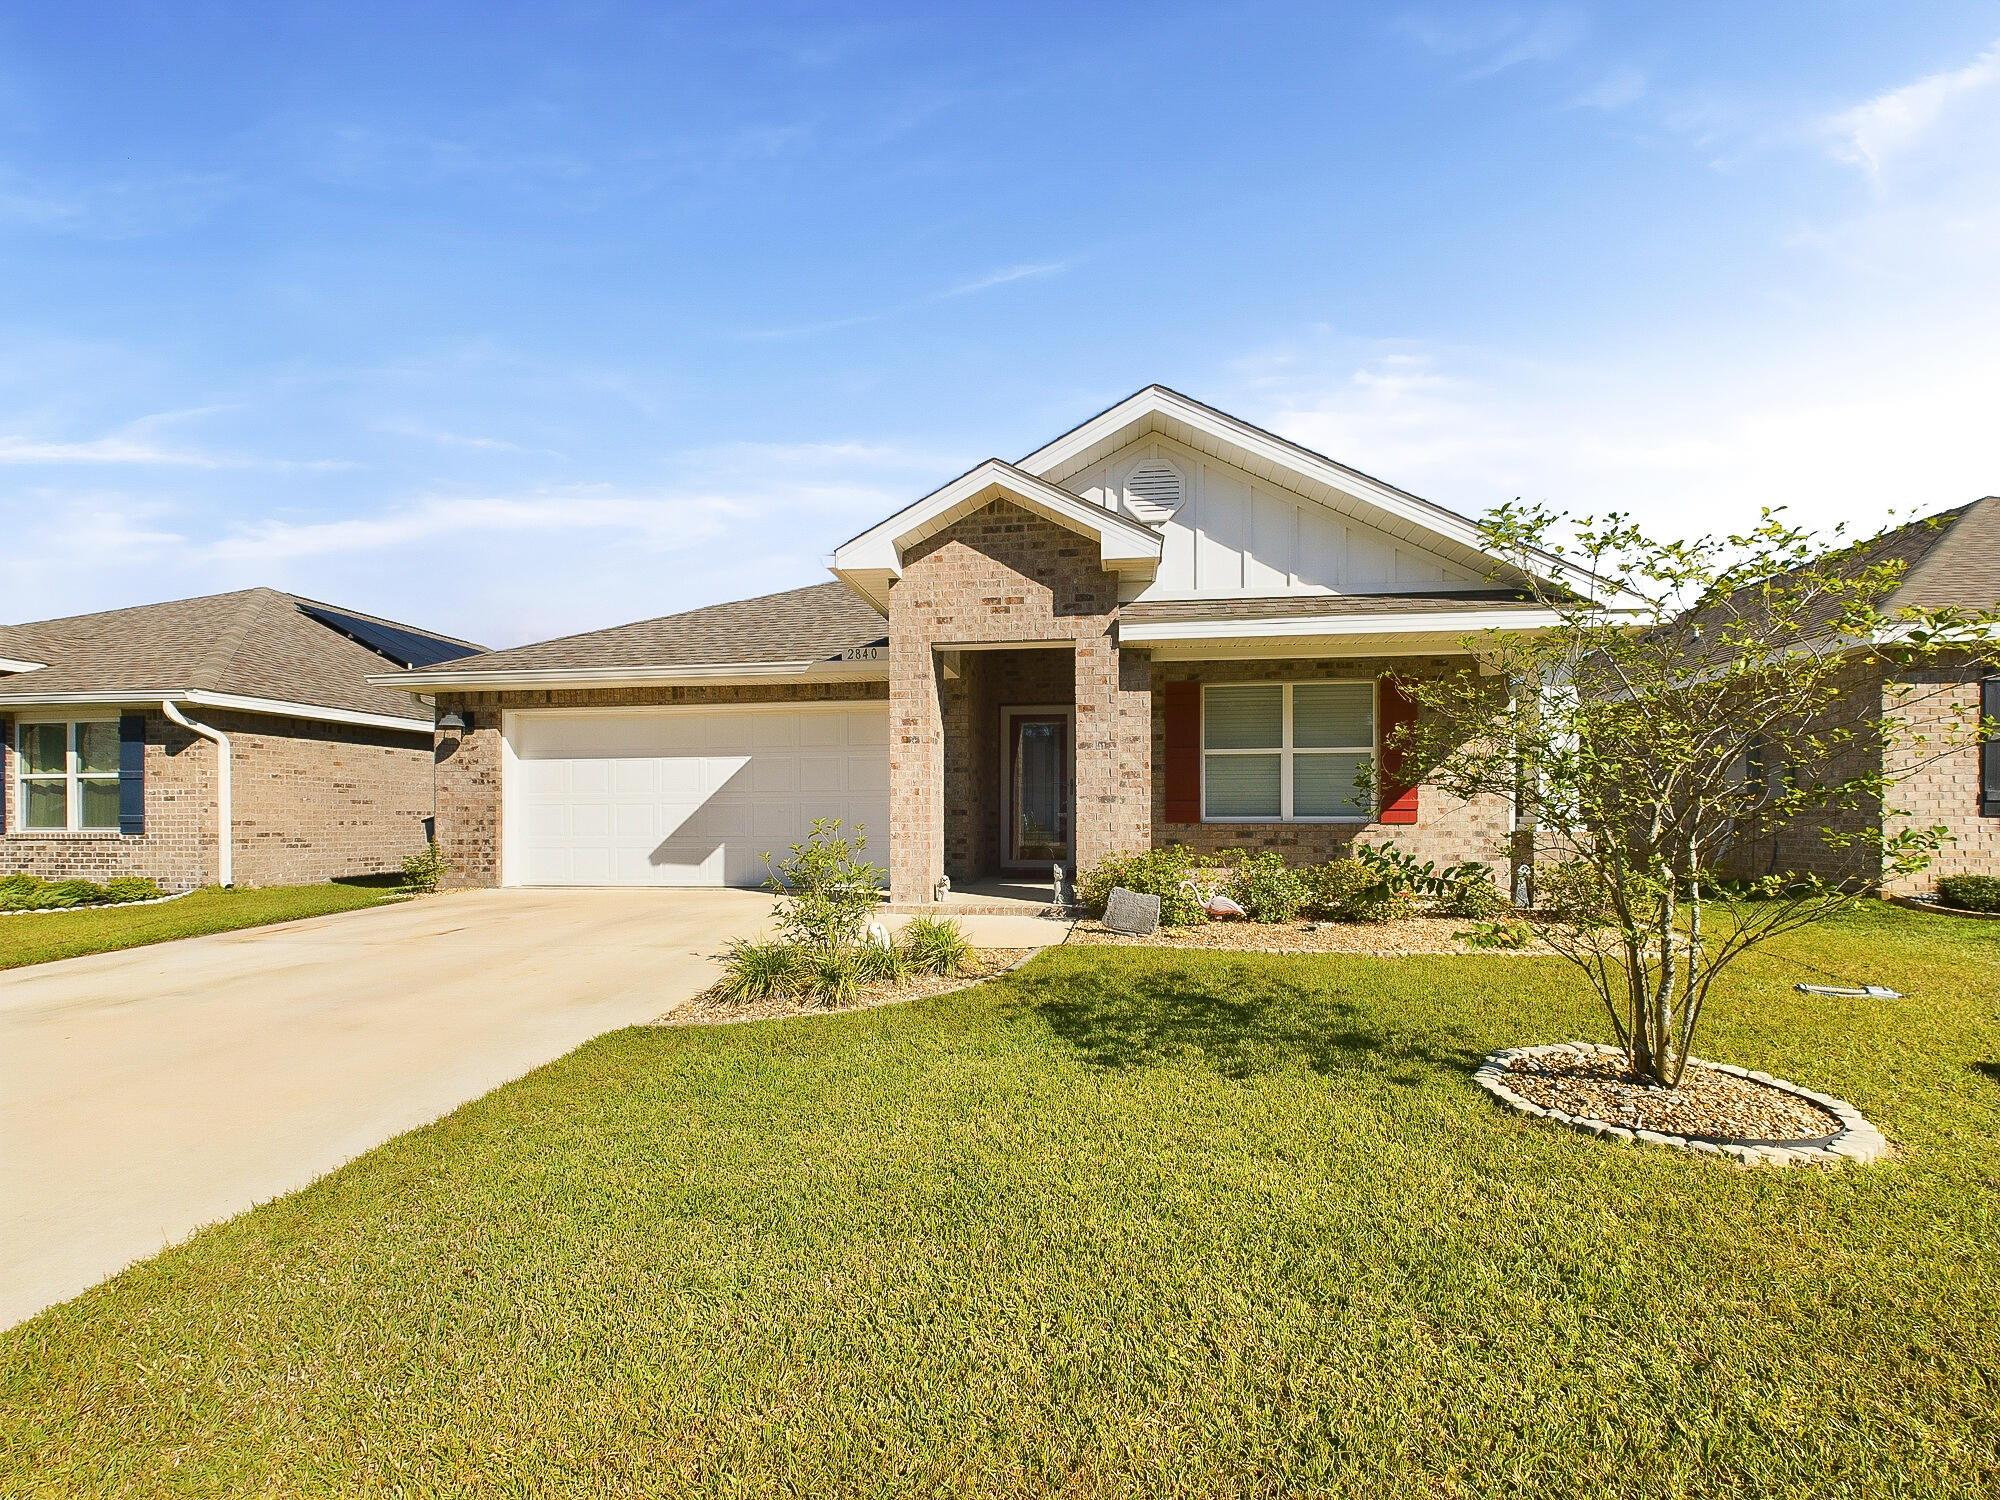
x: 1708, y: 1105
x: 710, y: 1009
x: 1410, y: 936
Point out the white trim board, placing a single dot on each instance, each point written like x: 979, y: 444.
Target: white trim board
x: 277, y: 707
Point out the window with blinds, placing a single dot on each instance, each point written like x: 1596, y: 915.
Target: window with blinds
x: 1287, y: 752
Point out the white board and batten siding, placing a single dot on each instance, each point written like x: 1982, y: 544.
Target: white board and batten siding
x: 1236, y: 534
x: 685, y: 796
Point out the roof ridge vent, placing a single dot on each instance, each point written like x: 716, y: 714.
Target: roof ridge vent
x: 1154, y: 491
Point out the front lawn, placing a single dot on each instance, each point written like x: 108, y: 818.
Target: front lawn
x: 40, y: 936
x: 1122, y: 1222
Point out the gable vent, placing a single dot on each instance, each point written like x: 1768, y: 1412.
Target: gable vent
x: 1153, y: 492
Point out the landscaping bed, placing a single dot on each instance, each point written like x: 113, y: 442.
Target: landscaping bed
x: 1404, y: 936
x: 1709, y: 1104
x: 714, y: 1007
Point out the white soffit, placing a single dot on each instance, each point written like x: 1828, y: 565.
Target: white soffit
x: 1277, y: 461
x: 869, y: 561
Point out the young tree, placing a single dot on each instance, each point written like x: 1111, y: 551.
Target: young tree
x: 1655, y: 746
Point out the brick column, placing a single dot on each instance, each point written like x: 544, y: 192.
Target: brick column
x: 916, y: 767
x: 1114, y: 751
x: 468, y: 795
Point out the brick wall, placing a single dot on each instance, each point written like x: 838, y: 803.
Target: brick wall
x: 467, y: 766
x: 1935, y: 760
x: 1006, y: 574
x: 1448, y: 830
x: 312, y: 801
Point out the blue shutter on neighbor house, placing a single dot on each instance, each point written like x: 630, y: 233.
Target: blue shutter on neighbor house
x: 131, y: 773
x: 1989, y: 750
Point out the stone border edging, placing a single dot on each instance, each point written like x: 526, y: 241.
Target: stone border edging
x: 53, y: 911
x: 1938, y: 908
x: 802, y: 1015
x: 1856, y: 1140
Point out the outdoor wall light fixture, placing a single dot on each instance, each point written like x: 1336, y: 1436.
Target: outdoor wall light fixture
x: 452, y: 720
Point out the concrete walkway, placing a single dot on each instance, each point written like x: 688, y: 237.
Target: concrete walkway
x: 144, y: 1094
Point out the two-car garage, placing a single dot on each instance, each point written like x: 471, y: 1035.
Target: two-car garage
x: 685, y: 795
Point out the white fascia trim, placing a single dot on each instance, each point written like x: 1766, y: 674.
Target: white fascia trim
x: 8, y: 664
x: 1412, y: 509
x: 1454, y: 623
x: 1124, y: 546
x: 275, y: 706
x: 666, y: 675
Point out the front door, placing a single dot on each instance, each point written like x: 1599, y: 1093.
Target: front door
x: 1035, y: 786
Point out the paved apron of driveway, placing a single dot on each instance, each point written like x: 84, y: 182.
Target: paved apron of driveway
x: 144, y: 1094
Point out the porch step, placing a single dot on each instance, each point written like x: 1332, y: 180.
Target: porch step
x: 968, y: 909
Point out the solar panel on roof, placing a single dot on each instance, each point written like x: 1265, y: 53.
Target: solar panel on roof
x: 406, y: 648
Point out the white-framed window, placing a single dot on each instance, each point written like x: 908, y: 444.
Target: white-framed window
x: 66, y: 775
x: 1286, y: 752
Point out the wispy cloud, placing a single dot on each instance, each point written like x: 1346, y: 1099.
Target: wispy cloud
x: 1004, y: 276
x: 129, y: 448
x: 468, y: 441
x: 1900, y: 119
x: 1495, y: 40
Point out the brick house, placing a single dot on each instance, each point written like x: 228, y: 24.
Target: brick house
x: 1165, y: 625
x: 116, y: 729
x: 1943, y: 774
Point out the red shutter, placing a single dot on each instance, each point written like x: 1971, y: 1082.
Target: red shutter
x: 1393, y: 711
x: 1182, y: 713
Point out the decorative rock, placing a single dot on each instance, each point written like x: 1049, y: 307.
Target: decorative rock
x: 1130, y: 912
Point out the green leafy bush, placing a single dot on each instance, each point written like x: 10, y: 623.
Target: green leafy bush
x: 1268, y: 889
x: 16, y: 892
x: 425, y: 872
x: 133, y: 888
x: 1970, y: 892
x: 936, y: 945
x: 825, y: 889
x: 1471, y: 893
x: 1573, y: 892
x: 60, y: 895
x: 1512, y: 935
x: 762, y: 971
x: 1151, y: 872
x: 1346, y: 890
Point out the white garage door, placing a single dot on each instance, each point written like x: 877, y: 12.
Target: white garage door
x: 686, y: 796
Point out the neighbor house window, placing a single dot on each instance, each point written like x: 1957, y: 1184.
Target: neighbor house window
x: 68, y: 774
x: 1287, y: 752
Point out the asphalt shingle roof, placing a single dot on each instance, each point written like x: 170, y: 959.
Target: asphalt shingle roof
x: 808, y: 624
x: 255, y: 643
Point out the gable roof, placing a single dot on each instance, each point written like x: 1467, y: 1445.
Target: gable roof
x: 800, y: 630
x: 1953, y: 559
x: 255, y: 648
x: 1292, y: 466
x: 869, y: 561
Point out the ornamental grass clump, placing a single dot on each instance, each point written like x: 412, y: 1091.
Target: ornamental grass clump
x: 936, y: 945
x: 882, y: 963
x: 756, y: 971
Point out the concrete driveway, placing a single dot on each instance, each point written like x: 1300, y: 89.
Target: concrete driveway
x: 144, y: 1094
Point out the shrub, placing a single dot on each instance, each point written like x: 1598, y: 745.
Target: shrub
x: 1970, y: 892
x: 833, y: 975
x: 1471, y: 893
x: 761, y: 971
x: 1268, y: 889
x: 426, y: 871
x: 936, y: 945
x: 882, y: 963
x: 1573, y: 892
x: 60, y: 895
x: 1346, y: 890
x: 17, y: 892
x: 133, y: 888
x: 1151, y: 872
x: 1515, y: 935
x: 825, y: 888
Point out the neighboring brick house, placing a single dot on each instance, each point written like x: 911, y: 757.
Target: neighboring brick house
x: 1164, y: 625
x: 104, y: 770
x: 1942, y: 773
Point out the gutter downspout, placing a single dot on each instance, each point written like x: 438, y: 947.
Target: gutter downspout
x: 225, y: 812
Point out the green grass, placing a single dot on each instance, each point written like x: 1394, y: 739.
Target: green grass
x: 1120, y: 1223
x: 37, y: 938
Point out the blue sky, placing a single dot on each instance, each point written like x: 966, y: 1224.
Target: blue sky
x: 517, y: 320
